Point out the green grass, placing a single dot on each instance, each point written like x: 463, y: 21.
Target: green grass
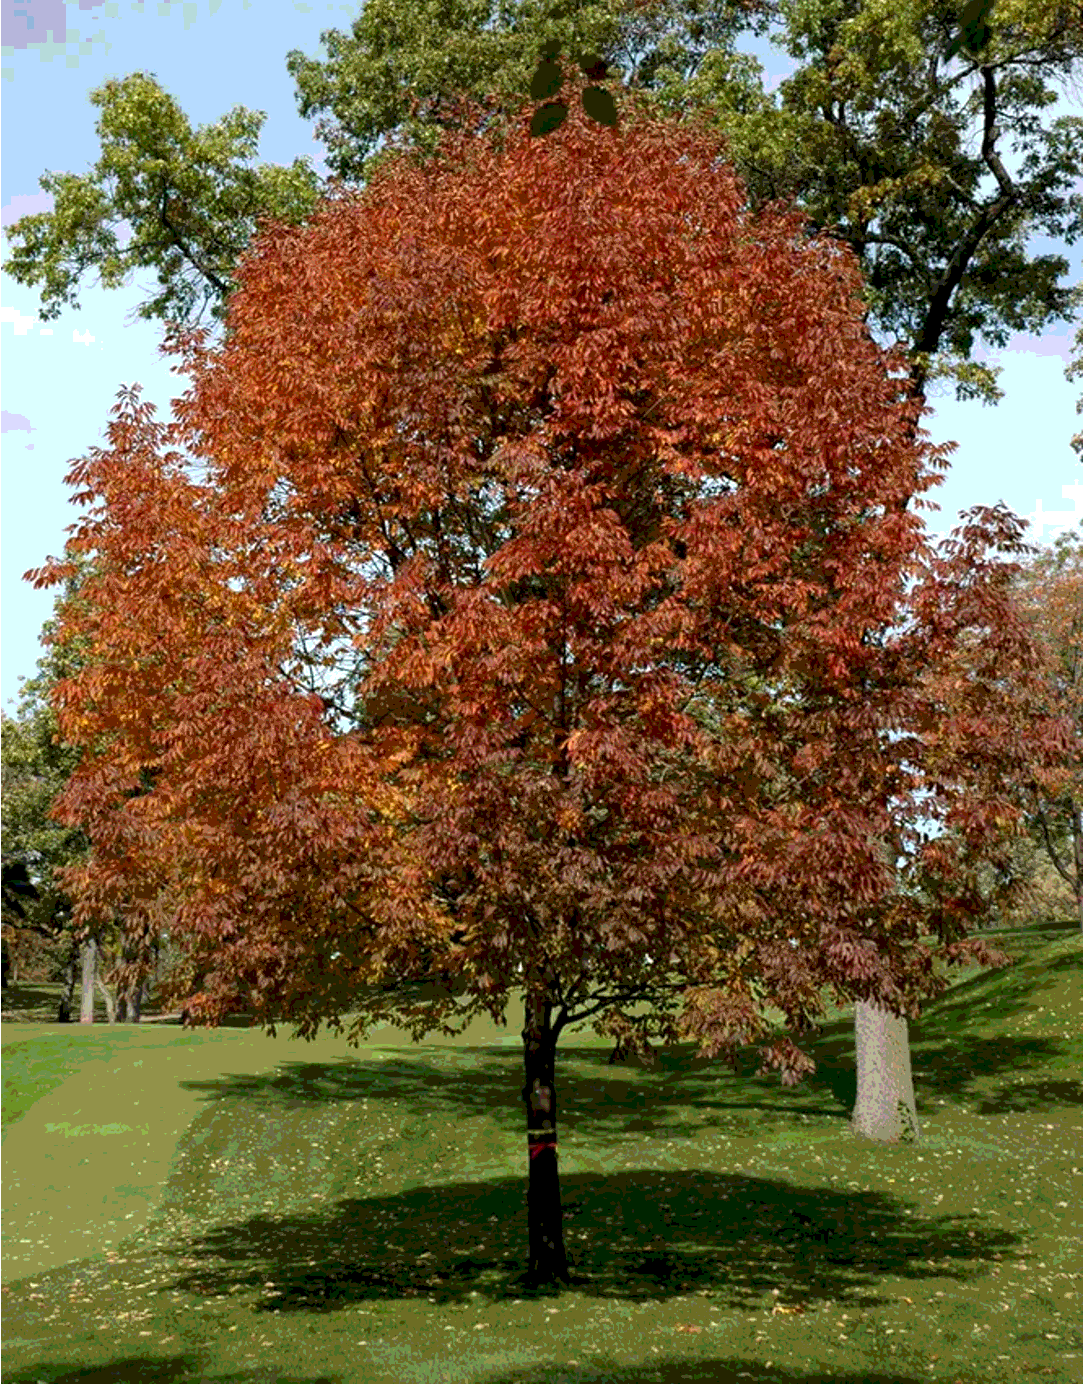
x: 222, y: 1206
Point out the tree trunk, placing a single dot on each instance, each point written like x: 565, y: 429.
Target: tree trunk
x: 90, y: 968
x: 130, y: 1004
x: 108, y: 998
x: 547, y: 1260
x: 67, y: 998
x: 884, y: 1108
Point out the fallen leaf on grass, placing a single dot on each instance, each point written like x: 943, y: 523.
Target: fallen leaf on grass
x: 787, y: 1311
x: 693, y: 1329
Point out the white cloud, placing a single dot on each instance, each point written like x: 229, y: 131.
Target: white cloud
x: 21, y: 324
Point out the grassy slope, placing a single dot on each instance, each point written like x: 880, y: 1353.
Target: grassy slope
x: 341, y: 1216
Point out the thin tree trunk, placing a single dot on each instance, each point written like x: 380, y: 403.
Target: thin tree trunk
x: 128, y: 1002
x: 547, y: 1259
x: 67, y: 998
x: 90, y: 958
x: 884, y: 1108
x: 110, y: 1002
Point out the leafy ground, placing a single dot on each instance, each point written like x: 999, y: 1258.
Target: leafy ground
x: 223, y: 1206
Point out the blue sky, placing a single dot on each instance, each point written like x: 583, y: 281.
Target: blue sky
x: 60, y: 379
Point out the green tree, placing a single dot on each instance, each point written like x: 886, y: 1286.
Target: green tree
x: 190, y: 199
x: 1073, y: 371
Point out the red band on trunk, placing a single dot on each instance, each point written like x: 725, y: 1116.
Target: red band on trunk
x: 544, y: 1144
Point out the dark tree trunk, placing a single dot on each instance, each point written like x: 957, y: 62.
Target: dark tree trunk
x: 196, y: 985
x: 130, y: 1003
x: 130, y: 1006
x: 547, y: 1260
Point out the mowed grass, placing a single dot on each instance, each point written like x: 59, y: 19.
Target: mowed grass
x: 222, y: 1206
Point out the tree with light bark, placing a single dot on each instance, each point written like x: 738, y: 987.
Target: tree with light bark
x: 510, y: 424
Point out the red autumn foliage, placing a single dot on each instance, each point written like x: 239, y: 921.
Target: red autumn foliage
x: 1047, y: 596
x: 508, y: 458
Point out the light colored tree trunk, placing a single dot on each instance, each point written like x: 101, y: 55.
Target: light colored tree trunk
x: 884, y: 1108
x: 90, y: 968
x: 67, y: 998
x: 110, y: 1000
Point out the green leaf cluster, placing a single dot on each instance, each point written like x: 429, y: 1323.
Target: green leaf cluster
x: 189, y: 198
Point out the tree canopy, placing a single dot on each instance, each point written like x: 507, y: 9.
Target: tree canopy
x: 510, y: 469
x: 872, y: 136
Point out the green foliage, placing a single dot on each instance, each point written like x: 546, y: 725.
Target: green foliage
x: 548, y: 80
x: 1073, y: 371
x: 36, y: 765
x: 190, y: 200
x: 974, y: 35
x: 872, y: 137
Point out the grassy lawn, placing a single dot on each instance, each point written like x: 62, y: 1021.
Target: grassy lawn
x: 223, y: 1206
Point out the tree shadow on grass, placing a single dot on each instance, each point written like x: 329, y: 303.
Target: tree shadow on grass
x: 173, y: 1369
x: 680, y: 1096
x: 950, y: 1060
x: 1031, y: 1097
x: 186, y: 1369
x: 630, y: 1236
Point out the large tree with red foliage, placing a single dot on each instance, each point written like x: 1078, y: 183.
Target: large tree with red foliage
x: 513, y: 461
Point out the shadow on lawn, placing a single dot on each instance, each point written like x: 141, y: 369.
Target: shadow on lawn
x: 629, y: 1236
x: 186, y: 1369
x: 681, y: 1096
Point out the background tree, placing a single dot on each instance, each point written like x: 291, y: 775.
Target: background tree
x: 37, y: 766
x: 1046, y: 856
x: 1073, y: 371
x: 18, y: 891
x: 189, y: 198
x: 511, y: 472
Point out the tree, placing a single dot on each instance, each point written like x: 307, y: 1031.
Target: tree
x: 1047, y: 853
x: 1073, y: 371
x: 508, y: 470
x: 18, y: 888
x: 189, y: 198
x: 869, y: 139
x: 906, y: 204
x: 37, y: 765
